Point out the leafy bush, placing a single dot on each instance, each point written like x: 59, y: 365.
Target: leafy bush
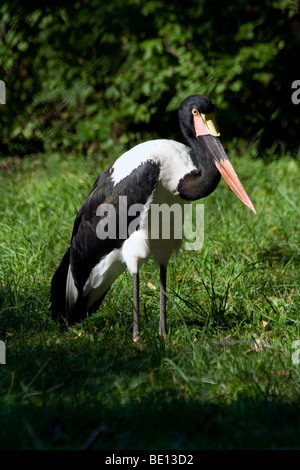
x: 90, y: 73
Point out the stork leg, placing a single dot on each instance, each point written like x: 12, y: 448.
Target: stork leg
x: 136, y: 306
x: 162, y: 316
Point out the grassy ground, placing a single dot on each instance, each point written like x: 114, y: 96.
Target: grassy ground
x: 225, y: 378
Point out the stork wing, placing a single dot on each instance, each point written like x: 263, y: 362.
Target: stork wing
x: 87, y: 249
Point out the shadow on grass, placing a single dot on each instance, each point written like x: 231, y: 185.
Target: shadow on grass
x: 155, y: 424
x: 80, y: 395
x: 72, y: 389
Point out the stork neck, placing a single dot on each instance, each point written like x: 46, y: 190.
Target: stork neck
x: 202, y: 182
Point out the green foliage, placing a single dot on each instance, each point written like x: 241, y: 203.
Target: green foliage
x: 90, y: 74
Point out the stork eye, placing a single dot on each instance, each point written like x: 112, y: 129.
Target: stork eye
x: 195, y: 112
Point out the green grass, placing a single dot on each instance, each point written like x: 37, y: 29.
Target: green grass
x: 207, y: 386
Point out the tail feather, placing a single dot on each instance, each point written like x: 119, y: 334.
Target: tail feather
x: 67, y: 304
x: 58, y: 308
x: 71, y: 292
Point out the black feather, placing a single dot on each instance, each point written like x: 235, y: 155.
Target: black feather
x: 87, y: 249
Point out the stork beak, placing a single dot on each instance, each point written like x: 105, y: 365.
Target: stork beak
x: 215, y: 149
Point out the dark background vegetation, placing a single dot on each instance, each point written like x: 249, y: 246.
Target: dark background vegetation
x: 86, y: 80
x: 89, y: 73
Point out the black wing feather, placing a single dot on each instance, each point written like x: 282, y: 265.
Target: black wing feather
x: 86, y: 248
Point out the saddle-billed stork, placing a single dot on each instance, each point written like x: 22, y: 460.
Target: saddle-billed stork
x: 154, y: 172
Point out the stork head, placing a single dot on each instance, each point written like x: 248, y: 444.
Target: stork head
x: 198, y: 124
